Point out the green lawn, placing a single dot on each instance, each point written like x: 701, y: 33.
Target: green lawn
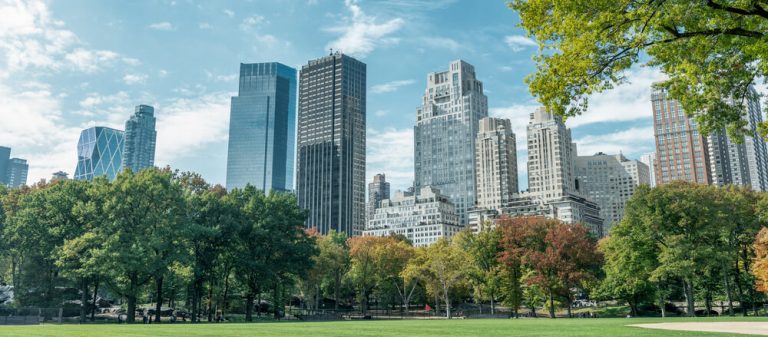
x: 442, y: 328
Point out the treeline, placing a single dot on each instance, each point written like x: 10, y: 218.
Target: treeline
x: 171, y: 239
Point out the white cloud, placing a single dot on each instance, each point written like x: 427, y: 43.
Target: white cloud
x: 519, y: 42
x: 205, y: 25
x: 251, y: 22
x: 106, y: 110
x: 361, y: 35
x: 381, y: 113
x: 627, y: 102
x: 506, y: 68
x: 162, y: 26
x: 519, y: 115
x: 30, y: 38
x: 130, y: 79
x: 390, y: 86
x: 633, y: 141
x: 436, y: 42
x: 187, y: 124
x: 162, y: 73
x: 229, y: 13
x: 390, y: 151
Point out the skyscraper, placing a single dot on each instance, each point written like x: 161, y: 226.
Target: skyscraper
x: 5, y: 157
x: 99, y: 153
x: 550, y: 156
x: 17, y: 172
x: 261, y: 128
x: 496, y: 158
x: 743, y: 162
x: 330, y: 161
x: 610, y: 180
x: 445, y: 131
x: 378, y: 190
x: 681, y: 152
x: 649, y: 159
x: 140, y: 139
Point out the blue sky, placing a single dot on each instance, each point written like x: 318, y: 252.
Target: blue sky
x: 67, y: 65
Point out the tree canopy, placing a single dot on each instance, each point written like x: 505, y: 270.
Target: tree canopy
x: 710, y: 50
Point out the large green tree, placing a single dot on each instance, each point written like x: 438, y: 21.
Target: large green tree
x: 710, y: 50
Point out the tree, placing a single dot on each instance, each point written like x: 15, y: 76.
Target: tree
x: 391, y: 258
x: 484, y: 249
x: 442, y: 266
x: 568, y: 259
x: 711, y: 51
x: 519, y: 236
x: 362, y: 272
x: 760, y: 266
x: 142, y: 233
x: 333, y: 261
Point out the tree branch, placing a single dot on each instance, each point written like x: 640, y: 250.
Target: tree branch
x: 756, y: 10
x: 710, y: 32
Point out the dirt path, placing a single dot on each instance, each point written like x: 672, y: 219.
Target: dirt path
x: 750, y: 328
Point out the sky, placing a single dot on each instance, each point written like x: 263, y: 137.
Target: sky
x: 68, y: 65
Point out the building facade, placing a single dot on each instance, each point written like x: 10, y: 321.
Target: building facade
x: 262, y: 126
x: 330, y: 160
x: 5, y: 158
x: 609, y: 181
x: 423, y: 217
x: 378, y: 190
x: 743, y: 162
x: 569, y: 208
x: 496, y: 162
x: 445, y: 133
x: 550, y: 156
x: 649, y: 159
x: 17, y: 172
x: 99, y: 153
x: 140, y: 139
x: 681, y: 151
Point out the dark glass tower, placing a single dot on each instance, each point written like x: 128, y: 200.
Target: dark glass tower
x: 140, y: 139
x: 5, y: 157
x: 330, y: 174
x: 262, y: 125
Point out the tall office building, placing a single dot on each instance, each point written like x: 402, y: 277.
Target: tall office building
x: 330, y: 161
x: 445, y: 132
x: 378, y: 190
x: 17, y: 172
x: 262, y: 126
x: 140, y: 139
x: 496, y: 161
x: 681, y: 151
x: 550, y: 156
x: 649, y: 159
x: 99, y: 153
x: 610, y: 180
x: 743, y: 162
x: 5, y: 157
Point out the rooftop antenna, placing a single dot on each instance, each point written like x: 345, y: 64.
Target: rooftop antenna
x: 331, y: 51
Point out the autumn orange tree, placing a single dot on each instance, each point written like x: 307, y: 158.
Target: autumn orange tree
x: 760, y: 265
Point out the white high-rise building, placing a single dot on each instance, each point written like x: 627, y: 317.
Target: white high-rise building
x: 445, y: 131
x: 649, y: 159
x: 610, y: 180
x: 550, y: 154
x: 496, y: 159
x: 423, y: 217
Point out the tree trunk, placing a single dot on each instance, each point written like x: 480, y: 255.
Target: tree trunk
x: 493, y: 303
x: 728, y: 291
x: 95, y: 293
x: 258, y: 306
x: 275, y: 301
x: 225, y: 299
x: 249, y: 308
x: 691, y: 308
x: 336, y: 287
x: 662, y: 303
x: 708, y: 301
x: 194, y: 302
x: 83, y: 299
x: 210, y: 301
x: 131, y: 309
x: 551, y: 304
x: 568, y: 303
x: 159, y: 305
x: 447, y: 303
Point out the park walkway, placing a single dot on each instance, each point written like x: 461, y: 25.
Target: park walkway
x: 748, y: 328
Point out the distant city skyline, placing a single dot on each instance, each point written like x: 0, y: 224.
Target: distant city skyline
x: 90, y: 80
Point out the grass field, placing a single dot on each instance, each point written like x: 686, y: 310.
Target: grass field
x: 442, y: 328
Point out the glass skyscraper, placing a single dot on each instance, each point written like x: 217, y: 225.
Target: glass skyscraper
x: 17, y: 172
x: 99, y: 153
x: 262, y: 126
x: 140, y: 139
x: 445, y: 132
x: 330, y: 175
x: 5, y: 156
